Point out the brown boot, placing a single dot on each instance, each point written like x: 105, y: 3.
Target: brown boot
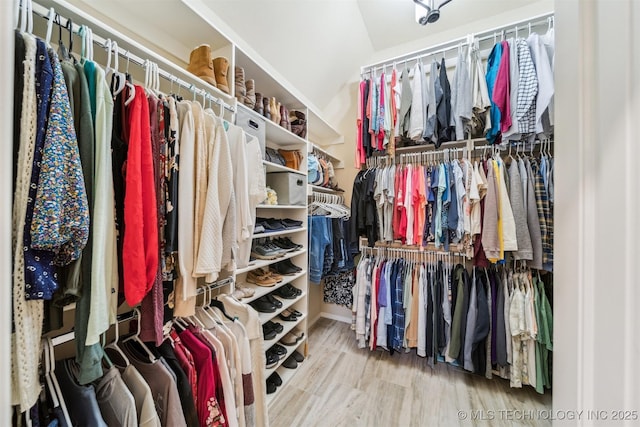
x: 250, y: 99
x: 221, y: 68
x: 283, y: 117
x: 200, y: 64
x: 259, y: 107
x: 241, y: 90
x: 267, y: 108
x: 298, y: 123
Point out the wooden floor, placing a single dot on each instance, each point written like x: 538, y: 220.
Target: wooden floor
x: 341, y: 385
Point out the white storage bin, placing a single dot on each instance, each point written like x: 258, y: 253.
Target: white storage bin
x: 290, y: 187
x: 254, y: 124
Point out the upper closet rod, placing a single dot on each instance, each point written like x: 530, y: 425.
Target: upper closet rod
x: 102, y: 42
x: 453, y: 44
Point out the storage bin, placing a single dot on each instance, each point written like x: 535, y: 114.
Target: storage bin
x: 254, y: 124
x: 290, y: 187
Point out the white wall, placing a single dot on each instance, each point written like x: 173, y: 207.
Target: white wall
x: 596, y: 334
x: 6, y: 178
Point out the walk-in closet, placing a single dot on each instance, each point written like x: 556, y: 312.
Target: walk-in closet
x: 321, y: 213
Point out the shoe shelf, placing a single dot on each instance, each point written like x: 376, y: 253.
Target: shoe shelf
x: 259, y: 263
x: 288, y: 327
x: 261, y: 291
x: 290, y: 350
x: 286, y: 303
x: 286, y: 375
x: 282, y: 137
x: 279, y: 233
x: 282, y: 206
x: 274, y: 167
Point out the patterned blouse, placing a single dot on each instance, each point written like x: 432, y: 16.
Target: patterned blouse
x: 61, y: 212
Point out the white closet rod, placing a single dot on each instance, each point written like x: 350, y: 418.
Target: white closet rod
x: 102, y: 42
x: 456, y: 43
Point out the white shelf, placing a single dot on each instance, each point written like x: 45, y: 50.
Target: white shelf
x: 283, y: 137
x: 290, y: 350
x: 259, y: 263
x: 286, y: 303
x: 286, y: 375
x: 320, y: 130
x: 274, y: 167
x: 261, y: 291
x: 279, y: 233
x: 336, y: 162
x: 286, y: 328
x: 282, y: 206
x: 319, y: 189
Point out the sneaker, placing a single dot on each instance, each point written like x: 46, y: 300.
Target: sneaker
x: 262, y: 252
x: 272, y: 359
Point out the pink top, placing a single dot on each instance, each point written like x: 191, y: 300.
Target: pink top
x: 501, y: 90
x: 419, y: 203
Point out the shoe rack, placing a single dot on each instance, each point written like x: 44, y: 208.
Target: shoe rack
x: 279, y: 137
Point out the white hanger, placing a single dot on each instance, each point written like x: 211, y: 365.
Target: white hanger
x: 54, y: 379
x: 51, y: 16
x: 47, y: 370
x: 136, y: 337
x: 114, y: 345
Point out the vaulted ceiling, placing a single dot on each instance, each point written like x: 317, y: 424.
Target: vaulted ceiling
x: 317, y: 46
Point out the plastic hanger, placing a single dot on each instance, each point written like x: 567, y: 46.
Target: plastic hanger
x: 54, y: 380
x: 219, y: 305
x: 114, y: 345
x: 136, y: 337
x: 50, y: 16
x: 47, y: 370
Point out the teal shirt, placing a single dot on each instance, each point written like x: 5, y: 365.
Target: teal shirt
x: 90, y: 73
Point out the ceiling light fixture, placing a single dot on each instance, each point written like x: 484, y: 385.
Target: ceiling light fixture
x: 433, y: 11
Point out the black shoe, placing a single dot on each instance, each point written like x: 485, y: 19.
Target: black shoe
x: 277, y: 303
x: 291, y: 264
x: 299, y: 357
x: 279, y: 350
x: 272, y: 359
x: 286, y: 292
x: 273, y: 326
x: 293, y: 289
x: 290, y: 363
x: 268, y: 334
x: 284, y: 269
x: 288, y: 316
x: 275, y: 379
x: 263, y: 306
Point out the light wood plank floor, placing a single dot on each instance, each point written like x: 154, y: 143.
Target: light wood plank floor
x: 341, y: 385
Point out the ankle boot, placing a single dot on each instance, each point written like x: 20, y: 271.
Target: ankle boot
x: 220, y: 69
x: 283, y: 117
x: 279, y: 117
x: 273, y: 109
x: 267, y: 108
x: 200, y: 64
x: 259, y: 107
x: 250, y: 99
x: 298, y: 123
x: 241, y: 89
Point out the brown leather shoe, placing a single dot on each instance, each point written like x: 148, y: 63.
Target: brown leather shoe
x: 259, y: 107
x: 220, y: 69
x: 250, y: 99
x: 200, y: 64
x: 267, y: 107
x: 241, y: 90
x: 298, y: 123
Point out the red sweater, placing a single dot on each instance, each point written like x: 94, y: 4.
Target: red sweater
x: 140, y: 244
